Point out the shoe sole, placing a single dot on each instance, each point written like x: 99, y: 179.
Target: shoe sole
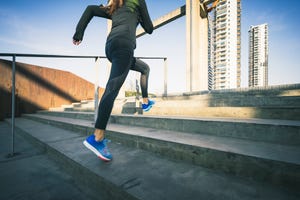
x: 95, y: 151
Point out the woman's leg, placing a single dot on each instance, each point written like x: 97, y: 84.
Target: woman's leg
x: 121, y: 62
x: 140, y: 66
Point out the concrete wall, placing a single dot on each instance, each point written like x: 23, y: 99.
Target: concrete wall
x: 39, y: 88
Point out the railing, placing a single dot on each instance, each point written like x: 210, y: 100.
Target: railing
x: 15, y: 55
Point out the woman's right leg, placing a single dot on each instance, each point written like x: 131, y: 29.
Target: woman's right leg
x: 119, y: 71
x: 121, y: 61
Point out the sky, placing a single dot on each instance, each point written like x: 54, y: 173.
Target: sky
x: 47, y: 27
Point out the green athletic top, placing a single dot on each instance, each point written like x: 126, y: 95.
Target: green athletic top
x: 124, y: 20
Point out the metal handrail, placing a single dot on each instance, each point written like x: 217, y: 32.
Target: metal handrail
x: 15, y: 55
x: 64, y: 56
x: 47, y: 55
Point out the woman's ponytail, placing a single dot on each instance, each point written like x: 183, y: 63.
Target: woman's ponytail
x: 113, y: 5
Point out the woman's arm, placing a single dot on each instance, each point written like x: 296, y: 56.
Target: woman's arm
x: 88, y: 14
x: 145, y: 18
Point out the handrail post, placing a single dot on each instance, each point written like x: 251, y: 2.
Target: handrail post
x: 165, y: 77
x: 13, y: 88
x: 96, y: 96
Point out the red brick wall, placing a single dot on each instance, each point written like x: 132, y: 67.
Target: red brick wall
x: 39, y: 88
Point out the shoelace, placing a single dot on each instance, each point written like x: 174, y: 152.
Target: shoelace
x: 105, y: 141
x: 105, y: 149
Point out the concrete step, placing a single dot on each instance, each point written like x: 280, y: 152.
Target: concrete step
x: 265, y: 162
x: 238, y: 100
x: 84, y: 105
x: 201, y: 106
x: 270, y: 96
x: 140, y: 174
x: 263, y: 130
x: 190, y: 109
x: 275, y: 90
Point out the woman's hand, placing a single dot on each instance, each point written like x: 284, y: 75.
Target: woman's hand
x: 76, y: 42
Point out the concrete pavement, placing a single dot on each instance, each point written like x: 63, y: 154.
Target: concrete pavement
x: 32, y: 174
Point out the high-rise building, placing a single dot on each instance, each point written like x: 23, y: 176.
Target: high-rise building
x: 210, y: 54
x: 258, y: 55
x: 226, y: 45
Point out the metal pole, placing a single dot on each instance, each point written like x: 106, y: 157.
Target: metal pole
x: 191, y: 45
x: 165, y: 77
x: 13, y: 105
x: 96, y: 96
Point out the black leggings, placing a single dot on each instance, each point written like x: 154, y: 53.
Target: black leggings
x: 120, y: 54
x: 142, y: 67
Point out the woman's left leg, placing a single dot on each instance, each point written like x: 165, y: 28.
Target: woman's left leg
x: 144, y: 69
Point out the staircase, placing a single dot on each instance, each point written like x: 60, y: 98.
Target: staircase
x: 236, y: 144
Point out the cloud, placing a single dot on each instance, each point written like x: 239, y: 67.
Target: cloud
x: 277, y: 21
x: 21, y: 34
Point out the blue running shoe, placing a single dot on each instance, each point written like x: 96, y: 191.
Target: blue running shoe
x: 99, y: 148
x: 147, y: 107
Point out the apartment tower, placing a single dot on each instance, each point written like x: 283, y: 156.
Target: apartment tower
x: 258, y: 55
x: 226, y: 45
